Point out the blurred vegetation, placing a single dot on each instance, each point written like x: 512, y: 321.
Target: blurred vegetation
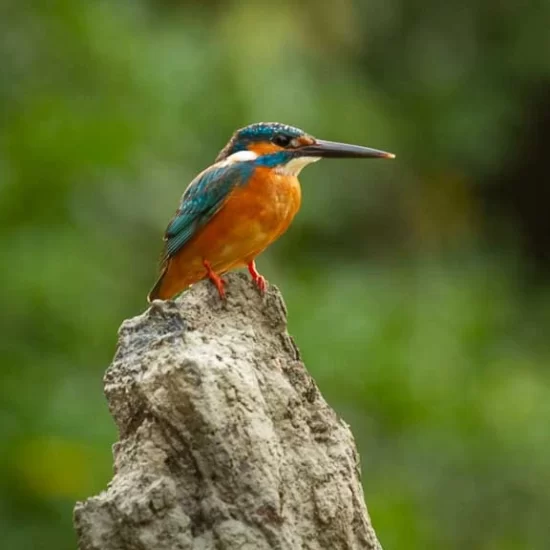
x: 418, y: 289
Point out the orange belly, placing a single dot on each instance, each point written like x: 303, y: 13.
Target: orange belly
x: 253, y: 216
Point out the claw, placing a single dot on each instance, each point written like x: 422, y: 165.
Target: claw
x: 258, y: 279
x: 219, y: 283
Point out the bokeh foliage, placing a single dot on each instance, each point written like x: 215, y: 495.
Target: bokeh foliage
x: 419, y: 306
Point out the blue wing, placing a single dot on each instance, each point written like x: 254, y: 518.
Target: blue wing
x: 204, y: 197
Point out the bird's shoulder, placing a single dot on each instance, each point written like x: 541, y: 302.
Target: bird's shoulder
x: 204, y: 196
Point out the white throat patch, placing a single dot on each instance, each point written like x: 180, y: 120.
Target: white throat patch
x: 295, y: 166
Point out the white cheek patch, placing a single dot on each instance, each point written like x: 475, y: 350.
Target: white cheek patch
x: 295, y: 166
x: 239, y: 156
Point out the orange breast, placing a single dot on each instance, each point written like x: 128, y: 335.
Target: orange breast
x: 254, y: 216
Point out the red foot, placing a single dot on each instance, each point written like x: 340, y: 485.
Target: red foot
x: 216, y: 279
x: 260, y: 281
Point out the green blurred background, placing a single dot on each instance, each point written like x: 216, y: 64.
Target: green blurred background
x: 417, y: 289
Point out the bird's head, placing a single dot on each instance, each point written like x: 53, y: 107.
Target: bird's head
x: 287, y: 149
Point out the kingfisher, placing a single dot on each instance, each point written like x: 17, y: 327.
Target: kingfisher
x: 232, y: 211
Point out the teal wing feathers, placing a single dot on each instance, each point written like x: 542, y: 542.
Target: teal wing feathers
x: 204, y: 197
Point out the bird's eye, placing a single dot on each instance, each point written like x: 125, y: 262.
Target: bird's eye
x: 281, y: 140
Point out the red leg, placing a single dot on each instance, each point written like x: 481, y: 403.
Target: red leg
x: 256, y: 277
x: 216, y: 279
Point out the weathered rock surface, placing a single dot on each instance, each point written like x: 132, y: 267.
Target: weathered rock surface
x: 225, y: 440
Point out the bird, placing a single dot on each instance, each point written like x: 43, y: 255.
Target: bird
x: 234, y: 209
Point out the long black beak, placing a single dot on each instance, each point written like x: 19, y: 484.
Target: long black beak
x: 333, y: 149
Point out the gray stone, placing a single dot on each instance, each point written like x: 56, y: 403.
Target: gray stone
x: 225, y: 441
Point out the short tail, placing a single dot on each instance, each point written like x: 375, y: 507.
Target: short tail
x: 157, y: 292
x: 170, y: 282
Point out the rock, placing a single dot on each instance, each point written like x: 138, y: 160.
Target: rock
x: 225, y: 440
